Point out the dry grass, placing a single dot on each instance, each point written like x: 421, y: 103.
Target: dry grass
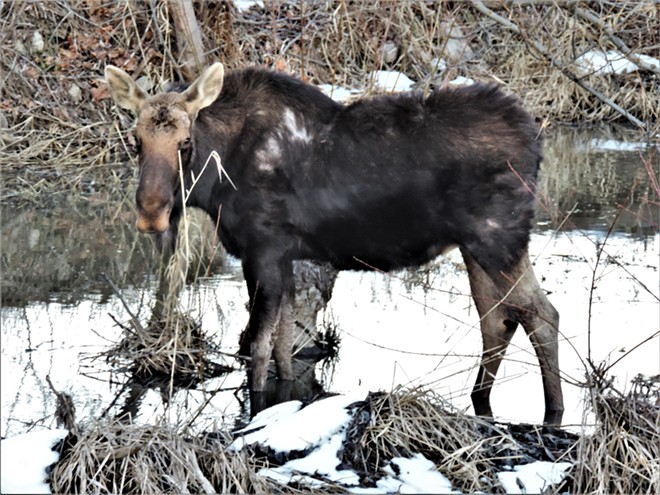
x: 57, y: 131
x: 619, y: 456
x: 468, y: 450
x: 623, y: 454
x: 171, y: 352
x: 111, y: 457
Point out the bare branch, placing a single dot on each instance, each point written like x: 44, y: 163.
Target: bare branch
x: 540, y: 48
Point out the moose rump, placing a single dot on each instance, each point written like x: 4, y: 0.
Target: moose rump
x: 384, y: 183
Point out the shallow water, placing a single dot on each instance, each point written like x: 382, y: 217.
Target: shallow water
x: 414, y: 327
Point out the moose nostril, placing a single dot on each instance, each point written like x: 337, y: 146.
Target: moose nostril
x: 151, y: 224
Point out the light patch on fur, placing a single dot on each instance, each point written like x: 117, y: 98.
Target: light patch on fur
x: 269, y: 155
x: 297, y: 132
x: 492, y: 223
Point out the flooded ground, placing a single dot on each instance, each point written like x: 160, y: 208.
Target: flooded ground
x: 595, y: 248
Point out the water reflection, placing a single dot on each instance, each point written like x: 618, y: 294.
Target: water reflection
x: 600, y: 186
x: 415, y: 327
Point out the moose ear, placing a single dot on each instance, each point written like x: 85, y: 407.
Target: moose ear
x: 206, y: 89
x: 123, y: 89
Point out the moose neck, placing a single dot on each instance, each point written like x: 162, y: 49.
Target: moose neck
x: 253, y: 107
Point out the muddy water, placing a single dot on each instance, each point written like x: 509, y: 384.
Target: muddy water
x: 70, y: 273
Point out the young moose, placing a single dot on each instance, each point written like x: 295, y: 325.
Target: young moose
x: 386, y: 182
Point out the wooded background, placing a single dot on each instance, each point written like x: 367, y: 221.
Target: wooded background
x: 59, y: 130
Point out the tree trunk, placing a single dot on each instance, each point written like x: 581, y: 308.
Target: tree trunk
x: 191, y: 57
x: 314, y: 284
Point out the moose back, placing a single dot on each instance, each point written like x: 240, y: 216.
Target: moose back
x: 383, y: 183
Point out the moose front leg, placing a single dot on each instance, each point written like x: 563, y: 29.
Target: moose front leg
x: 269, y: 328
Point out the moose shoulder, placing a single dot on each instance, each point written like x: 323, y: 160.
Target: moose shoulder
x: 384, y: 183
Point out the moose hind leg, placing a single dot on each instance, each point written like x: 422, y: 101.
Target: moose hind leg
x: 497, y: 329
x: 540, y: 320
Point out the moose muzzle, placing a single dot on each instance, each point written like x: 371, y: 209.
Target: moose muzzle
x: 155, y: 196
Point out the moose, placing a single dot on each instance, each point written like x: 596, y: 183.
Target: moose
x: 385, y: 182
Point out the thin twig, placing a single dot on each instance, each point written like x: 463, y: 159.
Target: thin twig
x: 134, y: 319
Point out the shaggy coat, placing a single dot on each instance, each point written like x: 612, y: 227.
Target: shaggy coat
x: 383, y: 183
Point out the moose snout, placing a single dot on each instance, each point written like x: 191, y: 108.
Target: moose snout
x: 153, y: 214
x: 153, y: 225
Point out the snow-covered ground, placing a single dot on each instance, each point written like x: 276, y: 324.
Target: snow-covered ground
x: 25, y: 459
x: 318, y: 429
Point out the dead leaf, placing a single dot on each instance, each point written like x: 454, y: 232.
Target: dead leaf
x: 99, y: 93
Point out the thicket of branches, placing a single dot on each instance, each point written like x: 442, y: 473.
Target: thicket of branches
x: 58, y: 127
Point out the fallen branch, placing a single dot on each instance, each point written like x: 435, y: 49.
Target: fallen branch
x: 538, y: 46
x: 589, y: 16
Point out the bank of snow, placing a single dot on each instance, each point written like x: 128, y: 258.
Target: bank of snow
x: 25, y: 459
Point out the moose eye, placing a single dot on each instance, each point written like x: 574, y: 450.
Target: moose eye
x: 185, y: 143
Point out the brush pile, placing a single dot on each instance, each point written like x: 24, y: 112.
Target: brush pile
x: 619, y: 455
x: 593, y: 62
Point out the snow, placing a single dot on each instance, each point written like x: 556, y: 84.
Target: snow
x: 611, y: 62
x: 272, y: 415
x: 461, y: 81
x: 320, y: 429
x: 390, y: 80
x: 25, y: 459
x: 416, y: 475
x: 534, y: 477
x: 243, y: 5
x: 322, y: 461
x: 339, y: 93
x: 382, y: 80
x: 298, y: 429
x: 614, y: 145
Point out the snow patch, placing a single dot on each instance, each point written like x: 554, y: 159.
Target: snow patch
x: 272, y: 416
x: 339, y: 93
x: 614, y: 145
x: 243, y: 5
x: 302, y: 429
x: 611, y: 62
x: 391, y: 81
x: 321, y: 461
x: 415, y: 475
x: 461, y: 81
x: 25, y: 459
x: 534, y: 477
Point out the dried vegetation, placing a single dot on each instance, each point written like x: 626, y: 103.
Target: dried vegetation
x: 58, y: 130
x: 623, y: 453
x: 619, y: 456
